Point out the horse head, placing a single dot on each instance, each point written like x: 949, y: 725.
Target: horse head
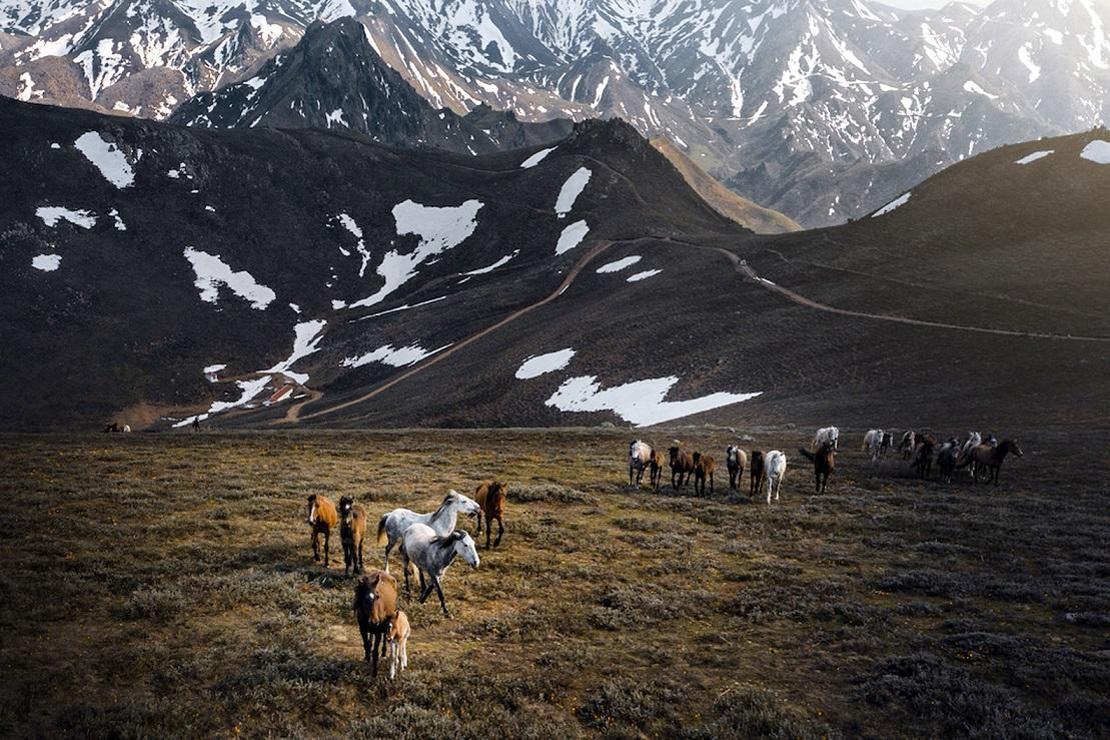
x: 465, y: 547
x: 461, y: 503
x: 312, y: 509
x: 1012, y: 444
x: 346, y: 504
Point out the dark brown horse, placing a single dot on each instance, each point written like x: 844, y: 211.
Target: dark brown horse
x: 682, y: 466
x: 322, y: 517
x: 989, y: 457
x: 490, y: 495
x: 655, y: 465
x: 352, y: 531
x: 758, y: 472
x: 375, y: 609
x: 824, y: 463
x: 923, y: 455
x: 704, y: 466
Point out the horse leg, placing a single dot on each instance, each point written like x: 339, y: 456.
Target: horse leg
x: 442, y: 602
x: 479, y: 522
x: 489, y: 530
x: 405, y: 567
x: 388, y: 547
x: 374, y: 653
x: 360, y: 556
x: 425, y: 590
x: 327, y: 548
x: 315, y: 546
x: 500, y: 531
x: 710, y: 484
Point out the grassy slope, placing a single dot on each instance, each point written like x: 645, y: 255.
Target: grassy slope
x: 155, y: 583
x: 741, y: 210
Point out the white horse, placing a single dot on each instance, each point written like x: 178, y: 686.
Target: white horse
x: 873, y: 444
x: 441, y: 521
x: 775, y: 464
x: 826, y: 434
x: 432, y: 554
x: 639, y: 455
x: 974, y: 439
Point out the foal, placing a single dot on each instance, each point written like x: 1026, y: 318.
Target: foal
x: 824, y: 463
x: 398, y: 638
x: 682, y: 465
x: 375, y: 609
x: 736, y: 461
x: 322, y: 517
x: 352, y: 531
x: 490, y: 495
x: 704, y: 465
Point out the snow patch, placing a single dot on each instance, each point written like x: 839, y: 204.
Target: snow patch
x: 1034, y: 156
x: 1098, y: 151
x: 51, y: 215
x: 306, y: 340
x: 618, y: 265
x: 642, y: 275
x: 640, y: 402
x: 107, y: 158
x: 395, y: 357
x: 570, y: 191
x: 537, y: 365
x: 536, y: 158
x: 120, y: 225
x: 212, y: 272
x: 896, y: 203
x: 46, y: 262
x: 572, y: 236
x: 494, y: 266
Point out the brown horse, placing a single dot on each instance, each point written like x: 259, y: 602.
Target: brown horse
x: 758, y: 472
x: 322, y: 517
x: 923, y: 455
x: 704, y: 465
x: 735, y: 459
x: 682, y: 466
x: 490, y: 495
x: 824, y: 463
x: 352, y: 531
x: 375, y: 609
x: 655, y: 465
x: 991, y: 457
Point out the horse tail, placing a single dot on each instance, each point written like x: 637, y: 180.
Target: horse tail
x: 809, y: 455
x: 381, y: 529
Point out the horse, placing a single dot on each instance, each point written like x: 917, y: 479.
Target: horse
x: 113, y: 428
x: 923, y: 455
x: 758, y: 472
x: 432, y: 554
x: 682, y: 466
x: 908, y: 444
x: 639, y: 457
x: 824, y: 463
x: 946, y: 459
x: 490, y: 495
x: 375, y: 608
x: 888, y: 442
x: 322, y: 517
x: 655, y: 465
x: 827, y: 434
x: 704, y: 465
x: 974, y: 439
x: 398, y: 640
x: 352, y: 531
x: 991, y: 458
x: 393, y: 524
x: 775, y: 472
x: 873, y: 444
x: 736, y: 460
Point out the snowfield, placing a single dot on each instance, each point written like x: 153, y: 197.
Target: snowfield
x: 896, y: 203
x: 639, y: 402
x: 570, y: 191
x: 1098, y: 151
x: 642, y: 275
x: 439, y: 229
x: 306, y: 340
x: 538, y: 365
x: 1034, y: 156
x: 212, y: 272
x: 536, y: 158
x: 494, y: 266
x: 350, y: 225
x: 618, y: 265
x: 46, y: 262
x: 51, y: 215
x: 248, y: 389
x: 572, y: 236
x: 107, y: 158
x: 394, y: 357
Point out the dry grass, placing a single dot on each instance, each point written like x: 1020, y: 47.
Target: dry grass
x: 162, y: 585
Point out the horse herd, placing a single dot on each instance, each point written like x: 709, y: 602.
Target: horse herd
x: 428, y: 543
x: 768, y: 468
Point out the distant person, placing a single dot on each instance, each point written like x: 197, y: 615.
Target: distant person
x: 196, y: 424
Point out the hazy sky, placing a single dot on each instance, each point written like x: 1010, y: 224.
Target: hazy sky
x: 926, y: 3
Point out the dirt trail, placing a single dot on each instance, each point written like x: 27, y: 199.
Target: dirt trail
x: 743, y: 268
x: 294, y: 415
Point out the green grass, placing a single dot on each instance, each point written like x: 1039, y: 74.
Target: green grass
x: 156, y: 585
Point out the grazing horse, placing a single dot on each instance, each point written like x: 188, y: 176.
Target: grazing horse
x: 399, y: 633
x: 682, y: 466
x: 736, y: 460
x: 923, y: 455
x: 908, y: 444
x: 991, y: 458
x: 704, y: 465
x: 824, y: 463
x: 490, y: 495
x: 873, y: 444
x: 758, y: 472
x: 375, y: 610
x: 946, y: 459
x: 432, y: 554
x: 352, y: 531
x: 639, y: 457
x: 776, y: 471
x: 655, y: 465
x: 322, y: 517
x: 827, y: 434
x: 888, y: 442
x: 393, y: 525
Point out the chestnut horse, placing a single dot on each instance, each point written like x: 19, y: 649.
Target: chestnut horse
x: 824, y: 463
x: 682, y: 466
x: 322, y: 517
x: 704, y: 465
x: 490, y: 495
x: 352, y: 531
x: 655, y: 465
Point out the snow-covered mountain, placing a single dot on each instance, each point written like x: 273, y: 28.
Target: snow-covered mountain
x: 784, y: 99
